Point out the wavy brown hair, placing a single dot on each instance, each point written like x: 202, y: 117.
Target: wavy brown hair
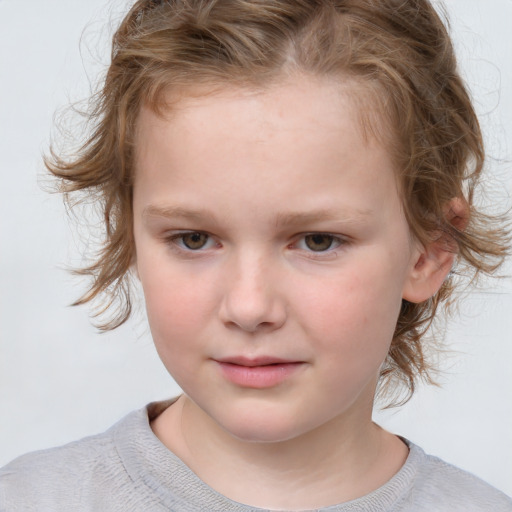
x: 412, y: 99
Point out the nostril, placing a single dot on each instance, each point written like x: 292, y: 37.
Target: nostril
x: 251, y: 300
x: 253, y: 316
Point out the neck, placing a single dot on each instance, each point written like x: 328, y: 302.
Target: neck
x: 342, y: 460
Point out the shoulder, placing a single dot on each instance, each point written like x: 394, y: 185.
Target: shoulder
x: 65, y: 478
x: 452, y: 489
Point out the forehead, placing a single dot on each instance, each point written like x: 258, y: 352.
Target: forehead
x: 296, y: 147
x: 299, y: 102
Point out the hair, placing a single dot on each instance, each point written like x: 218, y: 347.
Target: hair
x: 397, y: 51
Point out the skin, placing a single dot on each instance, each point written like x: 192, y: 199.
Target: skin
x: 254, y: 175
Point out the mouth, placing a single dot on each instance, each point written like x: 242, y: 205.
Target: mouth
x: 258, y: 373
x: 257, y: 361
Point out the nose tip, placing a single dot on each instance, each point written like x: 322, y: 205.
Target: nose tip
x: 252, y: 303
x: 250, y: 315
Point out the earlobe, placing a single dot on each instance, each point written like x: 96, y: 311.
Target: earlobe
x: 431, y: 263
x: 429, y: 272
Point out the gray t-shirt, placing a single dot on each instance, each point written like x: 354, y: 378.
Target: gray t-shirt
x: 127, y: 469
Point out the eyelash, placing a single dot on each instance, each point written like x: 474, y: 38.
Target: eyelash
x: 176, y: 243
x: 334, y: 240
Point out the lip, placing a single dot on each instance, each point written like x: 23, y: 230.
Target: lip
x: 258, y: 373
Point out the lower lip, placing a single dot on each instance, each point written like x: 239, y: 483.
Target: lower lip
x: 259, y: 377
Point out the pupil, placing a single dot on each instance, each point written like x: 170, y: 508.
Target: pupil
x: 318, y: 242
x: 194, y: 240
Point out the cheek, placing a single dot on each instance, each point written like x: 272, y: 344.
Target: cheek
x: 174, y: 311
x: 177, y: 302
x: 356, y: 310
x: 352, y: 330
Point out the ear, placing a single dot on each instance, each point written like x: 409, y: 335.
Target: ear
x: 431, y: 264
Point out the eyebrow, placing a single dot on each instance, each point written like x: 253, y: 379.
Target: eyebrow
x: 174, y: 212
x: 294, y: 218
x: 282, y: 219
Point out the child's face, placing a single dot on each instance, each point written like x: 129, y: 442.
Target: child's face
x: 267, y: 230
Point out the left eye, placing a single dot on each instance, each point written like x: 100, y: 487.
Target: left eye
x: 319, y: 242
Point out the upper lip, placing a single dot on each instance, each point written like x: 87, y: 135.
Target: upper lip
x: 255, y: 361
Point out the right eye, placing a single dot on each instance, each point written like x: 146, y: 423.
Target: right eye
x: 192, y: 241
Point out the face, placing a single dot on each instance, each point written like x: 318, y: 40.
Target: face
x: 273, y: 253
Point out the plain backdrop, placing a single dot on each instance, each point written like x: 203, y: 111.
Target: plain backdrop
x: 60, y: 380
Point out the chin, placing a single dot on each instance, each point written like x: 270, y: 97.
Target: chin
x: 262, y: 428
x: 262, y: 435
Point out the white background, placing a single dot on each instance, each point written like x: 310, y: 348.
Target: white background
x: 60, y: 380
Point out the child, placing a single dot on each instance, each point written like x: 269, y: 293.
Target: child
x: 292, y: 183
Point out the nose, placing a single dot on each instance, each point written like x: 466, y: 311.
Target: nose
x: 251, y: 300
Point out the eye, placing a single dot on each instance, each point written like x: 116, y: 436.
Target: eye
x: 192, y: 241
x: 319, y: 242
